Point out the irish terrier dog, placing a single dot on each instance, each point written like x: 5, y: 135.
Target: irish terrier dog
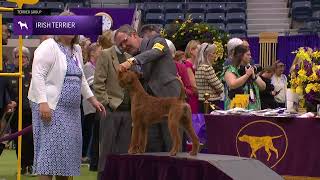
x: 146, y: 110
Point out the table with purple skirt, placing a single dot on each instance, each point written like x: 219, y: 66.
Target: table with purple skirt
x: 287, y: 145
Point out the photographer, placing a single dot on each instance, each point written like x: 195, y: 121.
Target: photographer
x: 239, y: 82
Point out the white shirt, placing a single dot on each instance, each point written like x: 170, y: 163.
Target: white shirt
x: 49, y: 69
x: 280, y: 83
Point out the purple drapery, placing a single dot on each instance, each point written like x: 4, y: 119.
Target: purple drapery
x: 254, y: 48
x: 286, y: 45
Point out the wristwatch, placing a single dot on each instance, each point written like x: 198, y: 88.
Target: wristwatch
x: 132, y: 61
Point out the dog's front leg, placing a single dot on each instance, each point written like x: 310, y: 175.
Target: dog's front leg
x: 143, y: 139
x: 134, y: 146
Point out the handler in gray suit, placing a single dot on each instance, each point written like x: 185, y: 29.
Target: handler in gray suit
x: 115, y: 130
x: 154, y: 59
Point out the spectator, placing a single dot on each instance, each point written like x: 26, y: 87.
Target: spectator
x: 191, y: 53
x: 267, y: 95
x: 5, y: 34
x: 84, y: 43
x: 55, y: 94
x: 5, y: 103
x: 206, y: 79
x: 94, y: 51
x: 180, y: 56
x: 182, y: 70
x: 242, y: 80
x: 27, y: 140
x: 115, y: 129
x: 279, y: 81
x: 232, y: 43
x: 106, y: 42
x: 106, y: 39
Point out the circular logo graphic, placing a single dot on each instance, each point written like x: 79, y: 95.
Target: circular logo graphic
x: 262, y: 140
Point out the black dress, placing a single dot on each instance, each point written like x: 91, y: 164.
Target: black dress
x: 267, y: 99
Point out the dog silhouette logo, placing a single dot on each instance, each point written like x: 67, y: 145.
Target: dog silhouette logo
x: 257, y: 143
x: 23, y: 25
x: 262, y: 140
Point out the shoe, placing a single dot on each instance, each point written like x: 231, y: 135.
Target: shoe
x: 24, y: 171
x: 30, y: 171
x: 85, y: 161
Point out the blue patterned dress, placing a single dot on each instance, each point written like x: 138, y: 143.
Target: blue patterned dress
x: 58, y: 144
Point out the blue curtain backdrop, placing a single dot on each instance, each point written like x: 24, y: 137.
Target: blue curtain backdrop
x: 286, y: 45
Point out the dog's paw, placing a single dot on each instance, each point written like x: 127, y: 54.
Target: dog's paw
x: 132, y: 151
x: 173, y: 153
x: 193, y: 153
x: 141, y: 151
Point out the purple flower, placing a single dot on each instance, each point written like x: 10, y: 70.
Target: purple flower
x: 318, y: 72
x: 310, y: 96
x: 297, y: 67
x: 308, y: 67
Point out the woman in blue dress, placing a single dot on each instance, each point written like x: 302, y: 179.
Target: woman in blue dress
x: 55, y: 94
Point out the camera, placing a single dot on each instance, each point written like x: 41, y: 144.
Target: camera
x: 256, y: 67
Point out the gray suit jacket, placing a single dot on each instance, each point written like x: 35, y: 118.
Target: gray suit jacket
x: 159, y: 70
x: 105, y: 85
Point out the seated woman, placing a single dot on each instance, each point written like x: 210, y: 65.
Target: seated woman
x: 206, y: 79
x: 242, y: 79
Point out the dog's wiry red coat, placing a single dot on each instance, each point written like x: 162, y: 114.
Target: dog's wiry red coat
x: 146, y: 110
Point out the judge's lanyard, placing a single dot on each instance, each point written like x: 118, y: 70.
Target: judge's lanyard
x: 252, y: 96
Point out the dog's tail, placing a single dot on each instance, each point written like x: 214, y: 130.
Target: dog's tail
x: 182, y: 91
x: 275, y: 137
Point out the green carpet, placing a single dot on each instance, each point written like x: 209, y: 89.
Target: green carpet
x: 8, y: 169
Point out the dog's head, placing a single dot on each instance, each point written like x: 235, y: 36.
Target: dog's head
x: 126, y: 78
x: 243, y: 138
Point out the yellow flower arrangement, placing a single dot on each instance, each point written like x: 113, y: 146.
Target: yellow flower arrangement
x: 305, y: 78
x: 219, y: 50
x: 180, y: 33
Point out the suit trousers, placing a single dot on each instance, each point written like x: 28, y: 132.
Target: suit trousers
x: 159, y: 139
x: 94, y: 153
x: 115, y: 135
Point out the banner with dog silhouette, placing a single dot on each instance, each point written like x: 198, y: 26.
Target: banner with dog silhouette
x: 287, y: 145
x: 57, y: 25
